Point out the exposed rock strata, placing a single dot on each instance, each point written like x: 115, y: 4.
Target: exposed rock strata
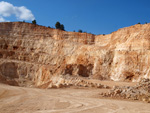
x: 37, y: 54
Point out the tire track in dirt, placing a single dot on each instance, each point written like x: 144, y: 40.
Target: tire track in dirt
x: 66, y: 100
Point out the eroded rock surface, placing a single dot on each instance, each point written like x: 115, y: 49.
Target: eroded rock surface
x: 33, y: 55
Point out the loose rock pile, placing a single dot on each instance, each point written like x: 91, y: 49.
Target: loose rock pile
x: 67, y: 81
x: 141, y: 91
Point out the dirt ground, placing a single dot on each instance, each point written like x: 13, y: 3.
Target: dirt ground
x: 66, y: 100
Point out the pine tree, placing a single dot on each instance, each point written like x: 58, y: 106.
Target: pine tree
x: 34, y: 22
x: 57, y: 25
x: 62, y: 27
x: 80, y: 31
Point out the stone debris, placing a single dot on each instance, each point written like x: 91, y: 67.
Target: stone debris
x: 67, y: 81
x: 141, y: 91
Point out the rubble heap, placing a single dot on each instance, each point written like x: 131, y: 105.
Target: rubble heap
x: 141, y: 91
x: 64, y: 81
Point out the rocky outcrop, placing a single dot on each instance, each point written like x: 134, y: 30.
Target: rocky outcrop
x: 33, y: 55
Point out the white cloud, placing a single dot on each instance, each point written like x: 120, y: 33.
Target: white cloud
x: 21, y: 13
x: 2, y: 19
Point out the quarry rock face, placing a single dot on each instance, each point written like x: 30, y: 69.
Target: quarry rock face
x: 32, y: 55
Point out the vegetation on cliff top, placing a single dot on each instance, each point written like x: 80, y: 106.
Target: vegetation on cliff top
x: 59, y: 26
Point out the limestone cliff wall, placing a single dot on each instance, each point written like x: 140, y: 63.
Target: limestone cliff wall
x: 37, y: 55
x: 131, y: 48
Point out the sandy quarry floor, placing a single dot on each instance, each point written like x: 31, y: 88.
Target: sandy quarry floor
x: 68, y: 100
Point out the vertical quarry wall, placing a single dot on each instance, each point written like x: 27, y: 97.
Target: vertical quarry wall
x: 37, y: 55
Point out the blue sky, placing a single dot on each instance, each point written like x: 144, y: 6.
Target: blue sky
x: 94, y: 16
